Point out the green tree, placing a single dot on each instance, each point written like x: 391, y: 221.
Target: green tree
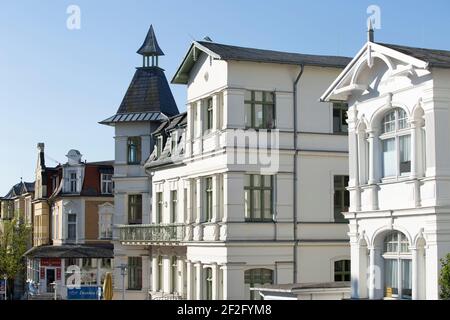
x: 444, y: 278
x: 14, y: 241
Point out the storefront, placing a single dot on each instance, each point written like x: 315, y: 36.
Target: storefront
x: 68, y: 267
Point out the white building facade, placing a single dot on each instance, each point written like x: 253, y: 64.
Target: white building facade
x: 248, y: 186
x: 398, y: 118
x: 147, y: 102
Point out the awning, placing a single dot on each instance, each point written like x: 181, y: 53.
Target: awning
x: 71, y: 251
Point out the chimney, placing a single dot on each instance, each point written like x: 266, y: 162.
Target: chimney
x: 41, y: 157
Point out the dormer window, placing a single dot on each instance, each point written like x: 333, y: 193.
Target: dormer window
x: 73, y: 182
x: 107, y: 183
x: 159, y: 145
x: 134, y: 150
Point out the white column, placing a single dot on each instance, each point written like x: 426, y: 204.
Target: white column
x: 415, y: 273
x: 215, y: 281
x: 199, y: 119
x: 189, y: 129
x: 199, y: 195
x: 372, y: 273
x: 216, y: 197
x: 181, y: 276
x: 189, y: 280
x: 155, y: 273
x: 415, y: 136
x: 198, y: 281
x: 215, y: 102
x: 373, y: 157
x: 188, y: 214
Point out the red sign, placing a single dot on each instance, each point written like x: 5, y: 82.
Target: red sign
x: 58, y: 273
x: 50, y: 262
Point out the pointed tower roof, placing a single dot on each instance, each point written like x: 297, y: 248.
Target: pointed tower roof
x: 148, y: 97
x: 150, y: 46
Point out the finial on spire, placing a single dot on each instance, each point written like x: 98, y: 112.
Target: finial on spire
x: 150, y: 48
x: 370, y: 37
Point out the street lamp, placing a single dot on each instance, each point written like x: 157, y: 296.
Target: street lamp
x: 123, y: 271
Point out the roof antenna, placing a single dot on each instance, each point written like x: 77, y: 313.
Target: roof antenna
x: 207, y: 38
x: 370, y: 37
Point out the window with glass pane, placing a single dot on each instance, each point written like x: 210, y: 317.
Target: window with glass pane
x: 134, y: 273
x: 209, y: 198
x: 208, y: 278
x: 257, y: 278
x: 73, y: 182
x: 340, y: 118
x: 159, y: 145
x: 405, y: 154
x: 134, y: 150
x: 342, y: 270
x: 159, y: 207
x: 209, y: 114
x: 391, y: 277
x: 71, y: 226
x: 259, y: 109
x: 174, y: 204
x: 135, y: 209
x: 396, y: 144
x: 397, y: 266
x: 258, y: 193
x: 107, y: 183
x: 341, y: 197
x: 389, y: 156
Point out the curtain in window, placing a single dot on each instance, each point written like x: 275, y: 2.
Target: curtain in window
x: 389, y: 157
x: 405, y: 154
x: 391, y: 277
x: 406, y: 279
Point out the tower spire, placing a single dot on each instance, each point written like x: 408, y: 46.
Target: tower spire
x: 370, y: 37
x: 150, y: 48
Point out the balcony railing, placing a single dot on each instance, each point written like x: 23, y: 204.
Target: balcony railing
x: 151, y: 233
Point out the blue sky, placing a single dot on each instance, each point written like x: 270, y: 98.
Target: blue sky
x: 56, y: 83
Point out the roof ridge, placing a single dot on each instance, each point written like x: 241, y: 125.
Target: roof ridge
x: 269, y: 50
x: 411, y: 47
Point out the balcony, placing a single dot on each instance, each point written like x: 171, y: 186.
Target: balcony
x: 145, y: 234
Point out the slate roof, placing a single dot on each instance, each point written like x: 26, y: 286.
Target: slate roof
x: 149, y: 91
x: 169, y: 156
x: 229, y: 52
x: 71, y: 251
x: 150, y: 46
x: 147, y: 97
x: 435, y: 58
x: 19, y: 189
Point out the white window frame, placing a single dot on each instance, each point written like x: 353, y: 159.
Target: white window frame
x: 107, y: 182
x: 398, y: 255
x: 73, y: 180
x: 395, y: 134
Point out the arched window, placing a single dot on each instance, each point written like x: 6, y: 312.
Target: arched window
x: 397, y: 266
x: 396, y: 144
x: 257, y: 278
